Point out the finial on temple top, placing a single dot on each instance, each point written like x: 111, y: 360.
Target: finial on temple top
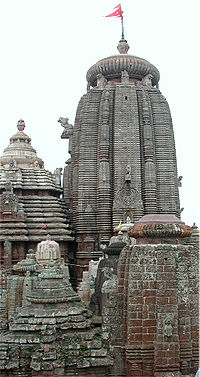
x: 123, y: 46
x: 21, y: 125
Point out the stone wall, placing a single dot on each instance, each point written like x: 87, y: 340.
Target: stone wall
x: 158, y: 285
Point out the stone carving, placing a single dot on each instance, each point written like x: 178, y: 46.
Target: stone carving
x: 12, y: 164
x: 125, y: 77
x: 110, y: 284
x: 8, y: 187
x: 104, y: 172
x: 64, y: 122
x: 127, y: 197
x: 168, y: 323
x: 147, y: 80
x: 20, y: 212
x: 104, y: 133
x: 9, y: 201
x: 7, y: 253
x: 68, y: 128
x: 57, y: 176
x: 89, y: 208
x: 128, y: 220
x: 36, y: 164
x: 179, y: 183
x: 101, y: 81
x: 128, y: 173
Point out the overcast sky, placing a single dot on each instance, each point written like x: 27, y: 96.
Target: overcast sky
x: 47, y: 46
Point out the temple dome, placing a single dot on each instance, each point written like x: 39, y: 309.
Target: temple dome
x: 20, y: 151
x: 112, y: 66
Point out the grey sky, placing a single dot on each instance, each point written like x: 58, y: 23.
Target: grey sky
x: 47, y: 46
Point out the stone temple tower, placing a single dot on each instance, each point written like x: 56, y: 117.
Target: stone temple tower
x: 123, y: 158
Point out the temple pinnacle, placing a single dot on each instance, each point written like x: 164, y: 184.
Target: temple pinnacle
x: 21, y: 125
x: 123, y: 46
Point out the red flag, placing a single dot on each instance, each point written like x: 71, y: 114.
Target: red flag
x: 117, y: 13
x: 44, y: 227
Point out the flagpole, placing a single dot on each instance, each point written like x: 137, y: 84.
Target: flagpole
x: 122, y: 20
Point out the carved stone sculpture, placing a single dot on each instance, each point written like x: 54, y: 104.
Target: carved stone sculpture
x: 125, y: 77
x: 128, y: 173
x: 57, y: 175
x: 101, y: 81
x: 147, y: 80
x: 12, y: 164
x: 68, y: 129
x: 168, y: 323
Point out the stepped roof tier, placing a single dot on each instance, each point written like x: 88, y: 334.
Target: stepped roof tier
x: 30, y: 196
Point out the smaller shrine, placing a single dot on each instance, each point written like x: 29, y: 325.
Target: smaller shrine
x: 31, y: 204
x: 46, y: 329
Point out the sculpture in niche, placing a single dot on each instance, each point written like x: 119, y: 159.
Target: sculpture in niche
x: 8, y: 187
x: 89, y: 208
x: 7, y: 252
x: 128, y: 173
x: 110, y: 284
x: 147, y: 80
x: 57, y: 175
x: 21, y: 210
x: 8, y: 200
x: 101, y: 81
x: 36, y: 164
x: 104, y: 172
x: 12, y: 164
x: 128, y: 220
x: 9, y: 203
x: 124, y: 77
x: 104, y: 132
x: 168, y: 325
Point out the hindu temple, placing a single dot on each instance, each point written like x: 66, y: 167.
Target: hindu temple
x: 99, y: 274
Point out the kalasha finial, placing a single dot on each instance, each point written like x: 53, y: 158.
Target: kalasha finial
x: 21, y: 125
x: 123, y: 46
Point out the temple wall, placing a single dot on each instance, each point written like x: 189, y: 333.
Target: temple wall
x: 158, y: 288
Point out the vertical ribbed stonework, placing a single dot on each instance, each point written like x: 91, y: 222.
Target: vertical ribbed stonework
x: 87, y: 175
x: 126, y: 155
x: 104, y: 168
x: 123, y: 158
x: 75, y: 157
x: 167, y: 190
x: 150, y: 199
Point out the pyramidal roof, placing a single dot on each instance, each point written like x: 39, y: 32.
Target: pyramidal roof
x: 30, y: 196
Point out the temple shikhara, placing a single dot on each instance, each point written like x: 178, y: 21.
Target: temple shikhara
x: 99, y: 275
